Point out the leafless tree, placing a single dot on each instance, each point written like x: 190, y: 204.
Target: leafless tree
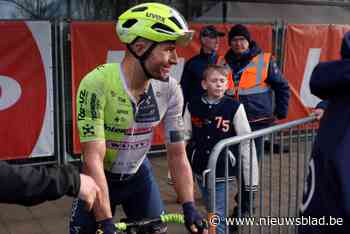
x: 37, y: 9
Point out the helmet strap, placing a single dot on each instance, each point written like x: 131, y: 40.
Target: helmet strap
x: 142, y: 58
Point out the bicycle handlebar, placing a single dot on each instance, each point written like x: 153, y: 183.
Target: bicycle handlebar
x: 166, y: 218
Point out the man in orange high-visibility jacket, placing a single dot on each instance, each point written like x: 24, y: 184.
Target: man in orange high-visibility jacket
x: 255, y: 76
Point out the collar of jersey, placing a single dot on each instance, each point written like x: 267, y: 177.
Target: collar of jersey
x: 210, y: 101
x: 125, y: 85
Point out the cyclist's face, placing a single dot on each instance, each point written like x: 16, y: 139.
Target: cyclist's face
x: 161, y: 59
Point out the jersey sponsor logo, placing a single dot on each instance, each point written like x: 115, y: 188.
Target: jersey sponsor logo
x: 128, y: 131
x: 82, y: 102
x: 125, y: 112
x: 88, y: 130
x: 155, y: 16
x: 120, y: 120
x: 94, y: 106
x: 124, y: 145
x: 109, y: 128
x: 82, y: 113
x: 139, y: 131
x: 100, y: 67
x: 129, y: 165
x: 122, y: 101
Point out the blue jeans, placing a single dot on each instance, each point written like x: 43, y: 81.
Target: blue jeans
x: 219, y: 202
x: 139, y: 197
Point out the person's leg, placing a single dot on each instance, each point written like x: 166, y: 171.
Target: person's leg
x: 259, y: 141
x: 247, y: 200
x: 144, y: 200
x: 220, y: 206
x: 81, y: 221
x: 203, y: 190
x: 219, y: 201
x: 259, y: 147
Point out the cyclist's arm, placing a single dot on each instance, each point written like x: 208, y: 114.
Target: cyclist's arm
x: 175, y: 134
x: 91, y: 103
x: 94, y: 153
x: 180, y: 171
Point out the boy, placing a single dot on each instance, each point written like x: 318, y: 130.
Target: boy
x: 214, y: 117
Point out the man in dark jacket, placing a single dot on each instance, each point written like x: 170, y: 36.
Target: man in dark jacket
x: 193, y: 72
x: 327, y: 194
x: 28, y: 186
x: 256, y: 77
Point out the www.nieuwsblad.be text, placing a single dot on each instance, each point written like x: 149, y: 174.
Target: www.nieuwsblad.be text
x: 276, y: 221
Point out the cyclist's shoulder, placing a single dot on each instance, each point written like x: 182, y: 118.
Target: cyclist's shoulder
x: 102, y: 76
x: 104, y: 71
x: 170, y: 86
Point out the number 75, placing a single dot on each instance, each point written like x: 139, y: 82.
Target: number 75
x: 223, y: 124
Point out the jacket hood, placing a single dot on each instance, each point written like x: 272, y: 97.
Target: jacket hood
x: 330, y: 79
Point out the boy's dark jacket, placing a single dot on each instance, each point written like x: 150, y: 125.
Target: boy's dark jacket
x: 328, y: 184
x: 205, y: 133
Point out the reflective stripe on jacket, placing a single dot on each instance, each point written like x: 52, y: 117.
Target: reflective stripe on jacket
x: 253, y: 77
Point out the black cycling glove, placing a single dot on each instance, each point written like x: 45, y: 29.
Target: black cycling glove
x: 106, y: 226
x: 192, y: 217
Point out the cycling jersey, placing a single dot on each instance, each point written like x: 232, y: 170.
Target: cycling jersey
x: 107, y: 111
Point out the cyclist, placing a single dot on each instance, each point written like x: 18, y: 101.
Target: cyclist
x: 118, y: 105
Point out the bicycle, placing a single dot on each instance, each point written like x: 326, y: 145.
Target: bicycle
x: 146, y: 226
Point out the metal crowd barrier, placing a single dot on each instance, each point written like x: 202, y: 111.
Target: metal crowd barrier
x: 281, y: 177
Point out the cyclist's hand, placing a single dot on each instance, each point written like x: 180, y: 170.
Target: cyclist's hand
x: 193, y: 220
x: 106, y: 226
x: 88, y: 190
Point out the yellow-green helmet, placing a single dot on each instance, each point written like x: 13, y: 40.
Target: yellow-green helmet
x: 153, y: 21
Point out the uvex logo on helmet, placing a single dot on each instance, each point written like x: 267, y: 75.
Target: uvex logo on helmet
x: 155, y: 16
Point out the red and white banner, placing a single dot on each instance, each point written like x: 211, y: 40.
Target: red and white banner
x: 97, y: 43
x: 26, y: 98
x: 306, y: 45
